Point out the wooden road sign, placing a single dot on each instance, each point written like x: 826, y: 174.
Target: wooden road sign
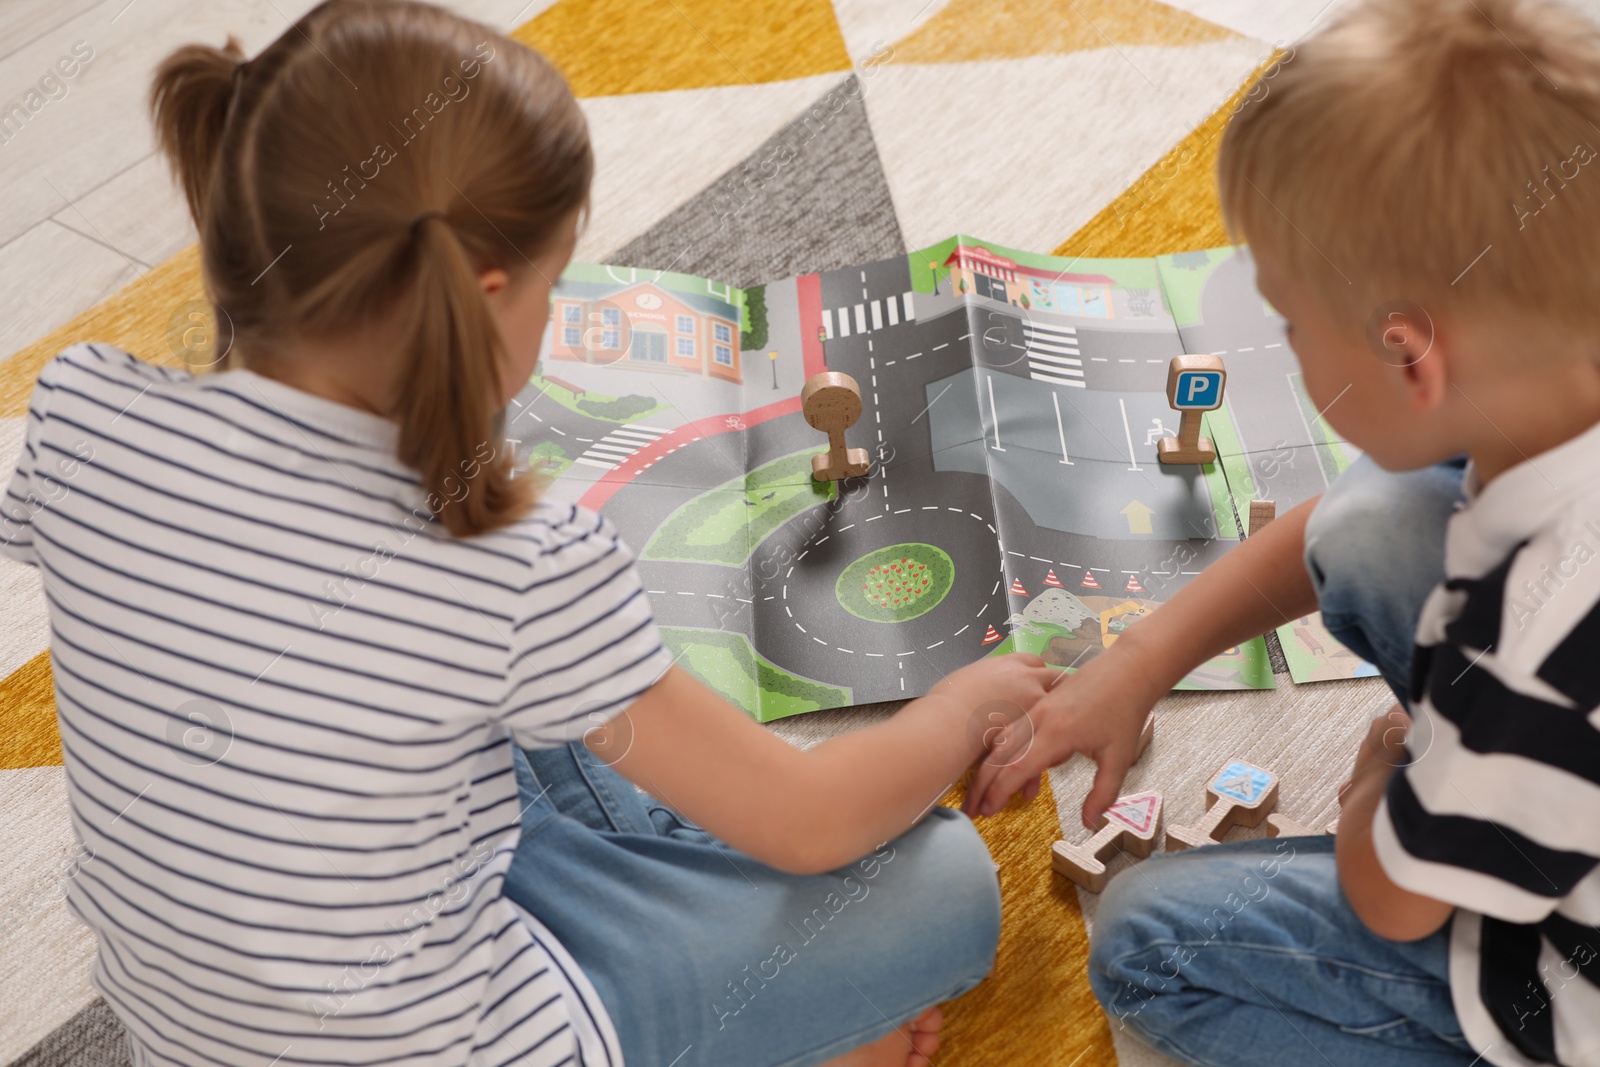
x: 1240, y: 795
x: 831, y: 402
x: 1261, y: 513
x: 1283, y: 826
x: 1194, y: 386
x: 1132, y: 824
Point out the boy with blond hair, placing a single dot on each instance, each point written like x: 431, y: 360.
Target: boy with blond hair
x: 1417, y: 193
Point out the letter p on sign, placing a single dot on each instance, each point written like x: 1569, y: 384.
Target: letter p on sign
x: 1195, y: 383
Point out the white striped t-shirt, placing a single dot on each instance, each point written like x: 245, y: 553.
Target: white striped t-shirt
x: 287, y: 701
x: 1498, y: 808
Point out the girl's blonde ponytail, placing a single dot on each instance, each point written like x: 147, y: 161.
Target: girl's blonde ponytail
x: 368, y: 166
x: 447, y: 432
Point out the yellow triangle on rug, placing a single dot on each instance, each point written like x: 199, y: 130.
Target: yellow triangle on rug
x: 641, y: 46
x: 1009, y: 29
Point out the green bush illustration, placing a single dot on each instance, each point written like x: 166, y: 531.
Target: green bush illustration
x: 896, y: 583
x: 755, y: 310
x: 618, y: 410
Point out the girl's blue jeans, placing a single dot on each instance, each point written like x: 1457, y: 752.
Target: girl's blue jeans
x: 1247, y: 954
x: 705, y: 957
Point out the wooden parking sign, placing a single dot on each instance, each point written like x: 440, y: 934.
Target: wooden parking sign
x: 1195, y: 385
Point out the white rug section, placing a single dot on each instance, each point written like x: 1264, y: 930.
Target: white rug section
x: 1050, y: 141
x: 653, y: 151
x: 45, y: 953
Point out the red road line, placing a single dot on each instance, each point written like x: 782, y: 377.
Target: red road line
x: 810, y: 293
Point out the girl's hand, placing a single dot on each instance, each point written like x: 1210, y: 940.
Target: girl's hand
x: 1099, y: 711
x: 999, y: 686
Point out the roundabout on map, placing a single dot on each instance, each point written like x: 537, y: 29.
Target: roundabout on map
x: 963, y: 575
x: 896, y: 583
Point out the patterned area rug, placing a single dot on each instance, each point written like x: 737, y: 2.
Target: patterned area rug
x: 1086, y: 128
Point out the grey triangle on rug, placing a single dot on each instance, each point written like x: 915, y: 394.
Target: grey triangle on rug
x: 91, y: 1038
x: 813, y: 197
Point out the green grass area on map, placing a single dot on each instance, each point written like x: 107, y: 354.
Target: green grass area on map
x: 724, y: 525
x: 1248, y: 668
x: 726, y: 662
x: 1126, y: 273
x: 1184, y: 276
x: 594, y: 405
x: 549, y: 459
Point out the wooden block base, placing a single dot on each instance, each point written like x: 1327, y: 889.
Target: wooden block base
x: 855, y: 465
x: 1132, y: 825
x: 1283, y: 826
x: 1171, y: 450
x: 1224, y: 808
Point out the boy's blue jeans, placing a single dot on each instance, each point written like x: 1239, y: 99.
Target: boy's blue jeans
x: 1242, y: 954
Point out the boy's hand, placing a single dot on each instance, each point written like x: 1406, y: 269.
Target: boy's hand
x: 1098, y: 712
x: 1381, y: 751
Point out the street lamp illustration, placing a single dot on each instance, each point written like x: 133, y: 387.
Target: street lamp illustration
x: 772, y: 357
x: 933, y: 265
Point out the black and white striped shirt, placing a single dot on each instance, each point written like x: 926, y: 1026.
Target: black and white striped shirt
x: 287, y: 701
x: 1498, y: 808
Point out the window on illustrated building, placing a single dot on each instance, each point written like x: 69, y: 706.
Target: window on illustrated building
x: 724, y: 355
x: 571, y: 313
x: 724, y: 334
x: 686, y: 346
x: 571, y: 336
x: 611, y: 316
x: 610, y: 338
x: 686, y: 324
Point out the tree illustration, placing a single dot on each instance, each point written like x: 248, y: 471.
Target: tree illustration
x: 755, y: 313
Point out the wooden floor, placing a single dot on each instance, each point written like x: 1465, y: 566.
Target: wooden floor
x: 88, y: 205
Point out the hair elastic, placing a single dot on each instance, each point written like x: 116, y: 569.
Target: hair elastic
x: 424, y: 217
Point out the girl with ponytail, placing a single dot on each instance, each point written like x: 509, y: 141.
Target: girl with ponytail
x: 352, y: 722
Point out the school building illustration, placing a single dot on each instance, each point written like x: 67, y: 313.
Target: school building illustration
x: 643, y: 327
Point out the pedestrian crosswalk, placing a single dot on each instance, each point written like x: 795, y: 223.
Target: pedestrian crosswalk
x: 1053, y: 353
x: 867, y: 316
x: 618, y: 445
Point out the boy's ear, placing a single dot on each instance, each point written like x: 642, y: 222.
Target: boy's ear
x: 1422, y: 356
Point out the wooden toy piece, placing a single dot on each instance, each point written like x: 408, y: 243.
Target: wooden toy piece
x: 1261, y: 513
x: 1194, y: 386
x: 1240, y: 795
x: 1133, y: 823
x: 831, y: 402
x: 1283, y: 826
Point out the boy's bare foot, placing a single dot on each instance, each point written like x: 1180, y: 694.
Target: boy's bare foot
x: 912, y: 1045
